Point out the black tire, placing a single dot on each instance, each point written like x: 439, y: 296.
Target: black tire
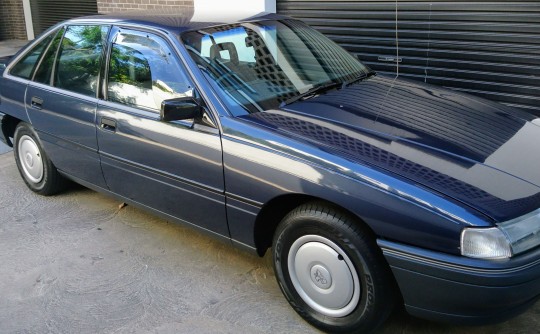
x: 313, y: 234
x: 45, y: 181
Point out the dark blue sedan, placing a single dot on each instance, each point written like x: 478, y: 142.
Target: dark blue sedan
x: 371, y: 191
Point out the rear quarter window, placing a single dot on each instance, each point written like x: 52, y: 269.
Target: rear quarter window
x: 26, y: 65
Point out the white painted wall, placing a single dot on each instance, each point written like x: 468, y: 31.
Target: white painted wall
x: 227, y: 8
x: 270, y: 6
x: 28, y: 19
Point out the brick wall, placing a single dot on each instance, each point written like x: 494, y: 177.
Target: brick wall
x: 109, y: 6
x: 12, y: 25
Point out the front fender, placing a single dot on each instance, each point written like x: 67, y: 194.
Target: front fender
x: 256, y: 171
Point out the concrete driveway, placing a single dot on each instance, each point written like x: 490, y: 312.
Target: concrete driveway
x: 78, y: 263
x: 4, y: 148
x: 11, y: 46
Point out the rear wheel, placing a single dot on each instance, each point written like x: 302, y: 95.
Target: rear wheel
x: 35, y: 167
x: 331, y: 271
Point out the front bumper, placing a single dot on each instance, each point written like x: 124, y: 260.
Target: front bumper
x: 456, y: 289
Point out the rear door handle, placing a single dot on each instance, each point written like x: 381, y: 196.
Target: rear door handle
x: 108, y: 124
x: 37, y: 102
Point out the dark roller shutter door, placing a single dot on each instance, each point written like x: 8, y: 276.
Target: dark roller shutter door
x: 46, y: 13
x: 487, y: 48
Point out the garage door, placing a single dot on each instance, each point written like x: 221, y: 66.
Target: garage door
x: 487, y: 48
x: 46, y: 13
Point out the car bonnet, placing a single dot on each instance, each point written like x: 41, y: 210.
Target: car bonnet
x: 479, y: 152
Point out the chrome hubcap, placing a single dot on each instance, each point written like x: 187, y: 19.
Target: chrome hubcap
x: 30, y: 159
x: 324, y: 276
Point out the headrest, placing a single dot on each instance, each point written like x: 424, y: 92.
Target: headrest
x: 216, y: 49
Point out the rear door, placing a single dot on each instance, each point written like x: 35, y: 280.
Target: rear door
x: 173, y: 167
x: 61, y: 100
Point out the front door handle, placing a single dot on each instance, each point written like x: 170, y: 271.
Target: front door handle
x: 37, y: 102
x: 108, y: 124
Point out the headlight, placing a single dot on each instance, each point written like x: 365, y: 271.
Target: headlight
x: 485, y: 243
x: 508, y: 238
x: 523, y: 232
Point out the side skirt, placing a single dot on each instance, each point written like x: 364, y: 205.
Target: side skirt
x: 161, y: 214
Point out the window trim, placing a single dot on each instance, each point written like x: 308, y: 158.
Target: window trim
x: 214, y: 106
x: 101, y: 56
x: 139, y: 32
x: 62, y: 91
x: 181, y: 53
x: 55, y: 60
x: 38, y: 61
x: 55, y: 56
x: 27, y: 49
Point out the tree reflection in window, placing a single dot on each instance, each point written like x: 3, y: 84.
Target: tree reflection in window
x: 143, y: 73
x: 130, y: 80
x: 79, y: 59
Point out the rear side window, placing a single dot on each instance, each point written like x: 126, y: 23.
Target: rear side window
x: 25, y: 66
x: 143, y: 72
x: 79, y: 59
x: 45, y: 67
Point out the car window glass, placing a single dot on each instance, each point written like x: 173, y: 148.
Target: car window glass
x: 79, y: 59
x: 25, y: 66
x: 143, y: 72
x: 43, y: 73
x: 228, y: 43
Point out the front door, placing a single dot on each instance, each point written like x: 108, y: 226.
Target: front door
x: 174, y: 167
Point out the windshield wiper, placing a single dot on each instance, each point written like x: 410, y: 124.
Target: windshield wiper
x: 360, y: 77
x: 312, y: 92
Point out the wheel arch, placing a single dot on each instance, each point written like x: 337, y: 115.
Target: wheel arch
x: 273, y: 212
x: 8, y: 126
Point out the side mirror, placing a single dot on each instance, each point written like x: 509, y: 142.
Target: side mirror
x: 179, y: 109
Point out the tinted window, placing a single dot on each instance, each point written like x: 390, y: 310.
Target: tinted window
x: 25, y: 66
x: 79, y: 59
x: 143, y: 72
x: 43, y: 73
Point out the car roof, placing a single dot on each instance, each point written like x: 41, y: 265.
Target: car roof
x: 176, y: 20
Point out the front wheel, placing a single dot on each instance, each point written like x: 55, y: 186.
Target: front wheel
x: 35, y: 167
x: 331, y: 271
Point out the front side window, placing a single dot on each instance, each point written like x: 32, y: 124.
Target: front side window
x: 79, y: 59
x: 25, y: 66
x: 143, y: 72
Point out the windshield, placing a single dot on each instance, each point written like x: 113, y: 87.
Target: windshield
x: 256, y: 66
